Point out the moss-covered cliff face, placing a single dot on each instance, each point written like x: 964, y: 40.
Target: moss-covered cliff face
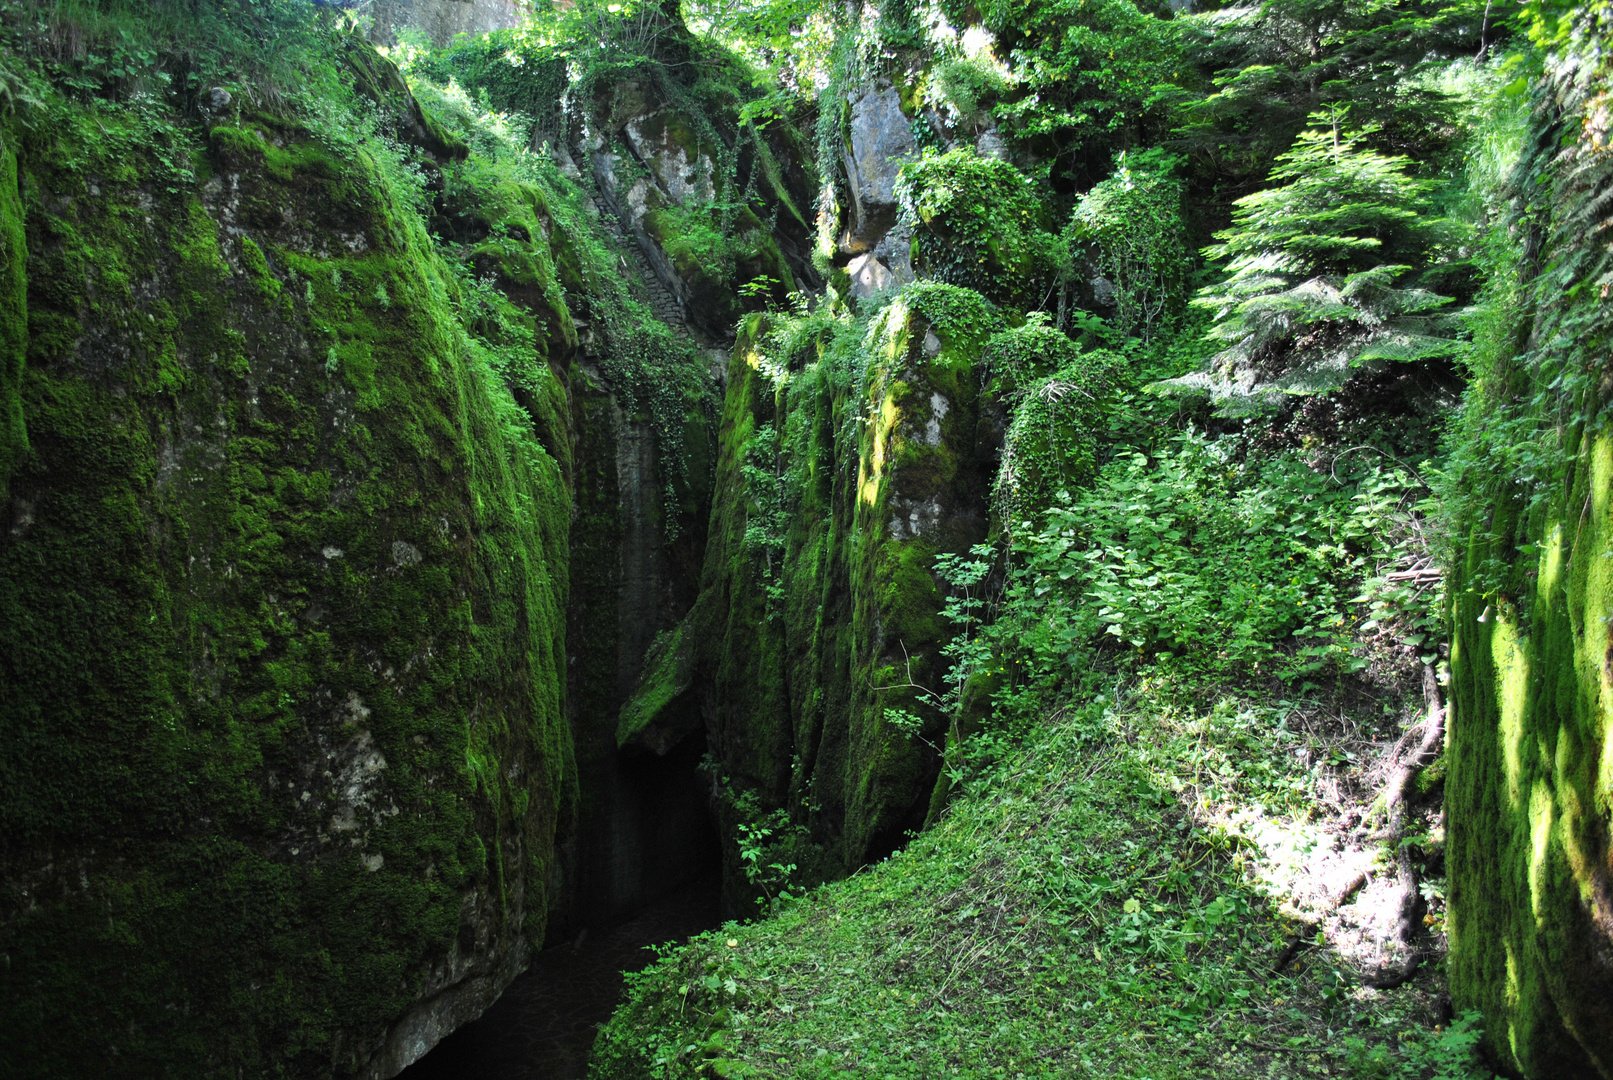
x: 391, y: 584
x: 644, y: 826
x: 848, y: 460
x: 13, y: 318
x: 1530, y: 791
x: 714, y: 206
x: 283, y: 747
x: 1531, y: 884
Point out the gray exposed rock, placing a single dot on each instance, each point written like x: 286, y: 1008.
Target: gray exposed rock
x: 1103, y: 292
x: 462, y: 986
x: 990, y: 144
x: 682, y: 175
x: 440, y: 19
x: 868, y: 275
x: 881, y: 143
x: 895, y: 250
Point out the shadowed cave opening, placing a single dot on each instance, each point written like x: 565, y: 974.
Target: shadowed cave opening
x: 648, y: 872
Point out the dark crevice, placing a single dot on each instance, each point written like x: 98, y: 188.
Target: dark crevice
x: 650, y: 875
x: 543, y: 1026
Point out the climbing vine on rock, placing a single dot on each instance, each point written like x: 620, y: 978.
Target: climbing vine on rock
x: 977, y: 223
x: 1131, y: 230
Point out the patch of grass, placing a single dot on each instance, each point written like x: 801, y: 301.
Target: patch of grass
x: 1066, y: 918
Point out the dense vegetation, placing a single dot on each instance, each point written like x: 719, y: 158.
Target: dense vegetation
x: 1138, y: 574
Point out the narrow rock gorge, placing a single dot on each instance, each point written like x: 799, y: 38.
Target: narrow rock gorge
x: 478, y: 479
x: 334, y: 553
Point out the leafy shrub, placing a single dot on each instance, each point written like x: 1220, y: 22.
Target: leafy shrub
x: 1240, y: 569
x: 263, y: 50
x: 1055, y: 390
x: 961, y: 313
x: 1131, y: 226
x: 1448, y: 1055
x: 967, y: 86
x: 1086, y: 69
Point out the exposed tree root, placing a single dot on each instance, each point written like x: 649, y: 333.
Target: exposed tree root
x: 1396, y: 797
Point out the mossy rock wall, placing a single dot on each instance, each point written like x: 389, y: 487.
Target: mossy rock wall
x: 707, y: 203
x: 628, y: 417
x: 1529, y: 788
x: 818, y: 607
x: 1530, y: 797
x: 13, y: 317
x: 644, y: 821
x: 283, y: 747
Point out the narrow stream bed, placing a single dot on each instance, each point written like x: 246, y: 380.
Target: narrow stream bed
x: 543, y: 1026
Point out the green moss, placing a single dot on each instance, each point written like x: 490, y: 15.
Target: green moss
x: 285, y: 636
x: 258, y: 267
x: 1530, y: 710
x: 978, y: 223
x: 282, y: 149
x: 818, y: 608
x: 668, y: 673
x: 1528, y: 782
x: 13, y: 319
x: 439, y: 137
x: 378, y: 79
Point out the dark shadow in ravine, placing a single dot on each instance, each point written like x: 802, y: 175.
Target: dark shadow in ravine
x: 543, y: 1026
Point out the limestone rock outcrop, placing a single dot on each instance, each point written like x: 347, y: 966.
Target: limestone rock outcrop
x: 819, y: 609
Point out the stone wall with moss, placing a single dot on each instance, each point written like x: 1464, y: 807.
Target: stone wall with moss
x: 843, y: 470
x: 1528, y: 788
x: 283, y: 746
x: 13, y: 317
x: 638, y: 403
x: 1529, y: 792
x: 384, y: 595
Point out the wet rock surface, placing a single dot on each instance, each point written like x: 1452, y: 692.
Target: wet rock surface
x: 543, y: 1027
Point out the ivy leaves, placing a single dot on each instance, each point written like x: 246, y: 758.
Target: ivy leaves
x: 1132, y: 228
x: 977, y: 222
x: 1086, y: 68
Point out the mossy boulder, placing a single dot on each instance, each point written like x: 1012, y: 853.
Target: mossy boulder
x: 283, y: 751
x: 977, y: 222
x: 819, y: 606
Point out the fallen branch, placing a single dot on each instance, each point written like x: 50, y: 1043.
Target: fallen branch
x: 1432, y: 573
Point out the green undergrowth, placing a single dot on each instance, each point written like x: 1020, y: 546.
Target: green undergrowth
x: 1066, y: 918
x: 1211, y: 565
x: 1157, y: 632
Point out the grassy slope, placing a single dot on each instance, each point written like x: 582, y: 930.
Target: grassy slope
x: 1067, y: 918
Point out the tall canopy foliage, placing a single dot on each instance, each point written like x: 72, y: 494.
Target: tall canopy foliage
x: 1268, y: 66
